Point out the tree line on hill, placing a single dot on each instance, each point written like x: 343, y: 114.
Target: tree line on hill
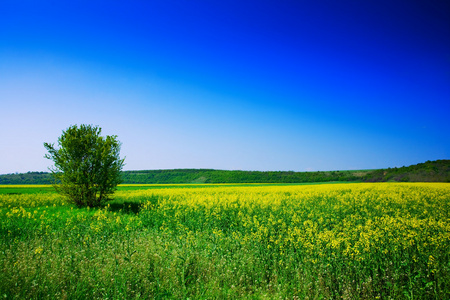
x: 222, y: 176
x: 430, y: 171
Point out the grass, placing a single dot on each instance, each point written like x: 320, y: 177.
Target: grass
x: 351, y: 241
x: 25, y: 189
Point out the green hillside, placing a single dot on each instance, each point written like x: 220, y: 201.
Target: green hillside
x: 430, y: 171
x: 221, y: 176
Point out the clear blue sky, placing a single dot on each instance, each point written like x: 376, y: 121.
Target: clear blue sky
x: 249, y: 85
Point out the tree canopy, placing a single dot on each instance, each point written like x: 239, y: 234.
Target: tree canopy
x: 87, y: 167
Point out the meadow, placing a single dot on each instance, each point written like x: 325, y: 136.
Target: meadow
x: 229, y: 241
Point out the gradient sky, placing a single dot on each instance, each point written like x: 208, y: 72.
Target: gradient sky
x: 248, y: 85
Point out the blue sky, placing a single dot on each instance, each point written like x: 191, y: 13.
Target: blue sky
x: 248, y: 85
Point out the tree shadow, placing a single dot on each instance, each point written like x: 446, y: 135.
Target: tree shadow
x: 126, y: 207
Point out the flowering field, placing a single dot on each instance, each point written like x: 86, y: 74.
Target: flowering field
x: 351, y: 241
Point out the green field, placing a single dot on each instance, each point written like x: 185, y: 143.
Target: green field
x: 229, y: 241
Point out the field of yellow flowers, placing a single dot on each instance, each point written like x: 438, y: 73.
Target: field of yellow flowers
x: 349, y: 241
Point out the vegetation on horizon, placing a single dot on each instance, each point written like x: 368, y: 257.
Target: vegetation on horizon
x: 431, y: 171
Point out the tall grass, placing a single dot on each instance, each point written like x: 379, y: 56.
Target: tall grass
x: 351, y: 241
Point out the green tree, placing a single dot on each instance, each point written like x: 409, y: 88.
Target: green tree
x: 87, y: 166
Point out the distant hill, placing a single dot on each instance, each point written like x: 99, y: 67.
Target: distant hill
x: 221, y: 176
x: 430, y: 171
x: 26, y: 178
